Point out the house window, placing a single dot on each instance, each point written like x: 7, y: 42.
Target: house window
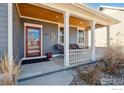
x: 61, y: 35
x: 80, y: 36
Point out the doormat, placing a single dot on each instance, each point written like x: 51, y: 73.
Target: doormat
x: 37, y: 60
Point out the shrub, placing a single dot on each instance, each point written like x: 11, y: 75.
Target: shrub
x: 90, y: 76
x: 113, y: 59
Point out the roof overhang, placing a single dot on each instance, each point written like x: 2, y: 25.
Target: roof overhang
x: 112, y: 8
x: 82, y: 11
x: 81, y: 15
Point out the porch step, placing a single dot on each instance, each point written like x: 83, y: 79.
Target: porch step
x: 40, y: 73
x: 60, y: 78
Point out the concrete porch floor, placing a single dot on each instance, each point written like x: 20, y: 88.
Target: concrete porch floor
x: 34, y: 70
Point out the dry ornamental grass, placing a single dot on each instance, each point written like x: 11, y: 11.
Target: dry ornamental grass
x: 9, y: 72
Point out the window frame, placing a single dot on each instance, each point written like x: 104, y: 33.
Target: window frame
x: 60, y: 26
x: 78, y: 28
x: 83, y: 30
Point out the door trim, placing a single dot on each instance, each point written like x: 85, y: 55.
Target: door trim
x: 33, y: 25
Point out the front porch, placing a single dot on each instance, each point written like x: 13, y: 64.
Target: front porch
x: 48, y: 19
x: 56, y: 64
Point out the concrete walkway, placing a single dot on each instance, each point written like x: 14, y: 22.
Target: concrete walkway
x: 58, y: 78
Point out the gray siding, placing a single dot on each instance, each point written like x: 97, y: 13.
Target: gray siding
x: 3, y: 27
x: 16, y: 32
x: 49, y: 30
x: 73, y: 35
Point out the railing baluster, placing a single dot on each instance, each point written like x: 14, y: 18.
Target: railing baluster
x: 83, y: 54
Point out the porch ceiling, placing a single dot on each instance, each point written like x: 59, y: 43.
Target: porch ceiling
x: 35, y: 12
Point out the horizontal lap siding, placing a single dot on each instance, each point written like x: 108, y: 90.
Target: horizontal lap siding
x: 73, y: 35
x: 3, y: 27
x: 48, y: 40
x: 50, y: 35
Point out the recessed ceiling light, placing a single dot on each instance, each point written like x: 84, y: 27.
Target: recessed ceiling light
x: 57, y: 16
x: 80, y: 22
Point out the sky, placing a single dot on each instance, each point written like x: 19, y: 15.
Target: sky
x: 96, y: 5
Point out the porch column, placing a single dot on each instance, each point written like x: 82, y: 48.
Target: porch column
x: 93, y: 58
x: 108, y: 35
x: 66, y: 39
x: 10, y: 35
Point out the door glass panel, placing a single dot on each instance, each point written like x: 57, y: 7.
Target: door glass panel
x: 33, y: 42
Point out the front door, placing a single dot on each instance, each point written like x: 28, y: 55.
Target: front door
x: 33, y: 41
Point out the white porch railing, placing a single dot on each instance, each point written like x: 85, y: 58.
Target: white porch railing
x: 79, y: 55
